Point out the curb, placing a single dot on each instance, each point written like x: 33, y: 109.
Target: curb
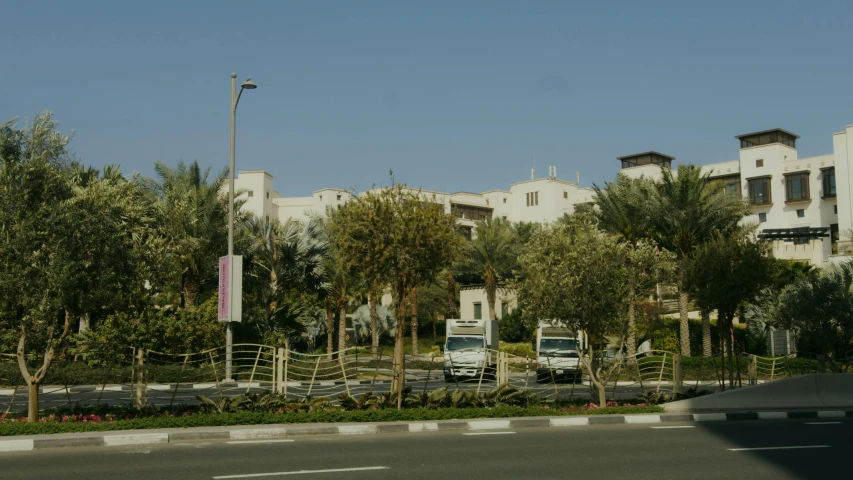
x: 237, y: 433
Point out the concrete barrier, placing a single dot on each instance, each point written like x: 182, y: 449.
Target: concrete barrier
x: 814, y: 391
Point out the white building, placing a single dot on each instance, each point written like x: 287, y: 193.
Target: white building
x: 801, y: 204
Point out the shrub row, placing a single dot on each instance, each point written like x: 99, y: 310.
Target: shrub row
x: 336, y: 416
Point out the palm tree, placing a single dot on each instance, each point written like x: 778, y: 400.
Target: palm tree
x: 283, y: 262
x: 685, y: 209
x: 192, y: 213
x: 491, y: 254
x: 621, y: 211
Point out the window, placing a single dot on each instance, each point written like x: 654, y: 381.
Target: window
x: 321, y: 198
x: 759, y: 191
x: 487, y: 202
x: 835, y: 209
x: 532, y: 199
x: 801, y: 241
x: 250, y: 194
x: 759, y: 163
x: 504, y: 309
x: 797, y: 187
x: 833, y: 236
x: 478, y: 311
x: 339, y: 197
x: 829, y: 182
x: 565, y: 194
x: 762, y: 217
x: 801, y: 213
x: 268, y: 218
x: 504, y: 200
x: 268, y: 194
x: 731, y: 189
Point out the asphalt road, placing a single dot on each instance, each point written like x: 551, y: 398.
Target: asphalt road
x: 774, y: 450
x: 186, y: 394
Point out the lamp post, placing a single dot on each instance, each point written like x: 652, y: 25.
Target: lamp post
x: 235, y: 99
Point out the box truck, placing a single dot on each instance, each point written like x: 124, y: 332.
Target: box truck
x: 558, y: 352
x: 470, y: 349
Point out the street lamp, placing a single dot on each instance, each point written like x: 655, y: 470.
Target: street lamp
x: 235, y: 99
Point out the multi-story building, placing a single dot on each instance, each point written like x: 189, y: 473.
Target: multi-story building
x: 803, y: 205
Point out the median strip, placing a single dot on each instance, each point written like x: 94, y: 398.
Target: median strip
x: 795, y: 447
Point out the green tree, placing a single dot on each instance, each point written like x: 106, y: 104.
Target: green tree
x: 622, y: 212
x: 399, y: 237
x: 64, y: 250
x: 491, y: 254
x: 574, y: 274
x: 685, y: 209
x: 192, y: 213
x: 725, y: 272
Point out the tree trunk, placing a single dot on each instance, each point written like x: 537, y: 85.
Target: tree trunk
x: 330, y: 329
x: 399, y: 354
x: 342, y: 326
x: 730, y: 350
x: 374, y: 328
x: 33, y: 410
x: 683, y: 306
x: 190, y: 291
x: 452, y: 311
x: 632, y: 323
x: 721, y: 328
x: 706, y: 332
x: 414, y: 300
x: 592, y: 369
x: 491, y: 287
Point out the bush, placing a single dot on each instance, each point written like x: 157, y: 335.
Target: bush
x: 524, y: 349
x: 514, y: 330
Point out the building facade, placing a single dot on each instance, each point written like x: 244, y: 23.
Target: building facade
x: 802, y: 205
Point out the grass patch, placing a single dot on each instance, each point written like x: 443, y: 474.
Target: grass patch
x: 262, y: 418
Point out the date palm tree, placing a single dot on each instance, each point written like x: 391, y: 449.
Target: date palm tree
x: 685, y: 209
x: 192, y: 213
x: 491, y: 254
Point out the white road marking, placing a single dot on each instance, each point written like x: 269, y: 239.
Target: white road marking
x: 259, y: 441
x: 490, y: 433
x: 823, y: 423
x: 675, y: 426
x: 299, y: 472
x: 796, y: 447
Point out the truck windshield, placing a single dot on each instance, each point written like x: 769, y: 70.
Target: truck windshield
x: 557, y: 346
x: 462, y: 343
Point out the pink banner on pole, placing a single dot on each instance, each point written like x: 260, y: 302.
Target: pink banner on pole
x: 224, y: 280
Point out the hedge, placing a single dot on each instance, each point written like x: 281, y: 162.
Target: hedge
x: 259, y: 418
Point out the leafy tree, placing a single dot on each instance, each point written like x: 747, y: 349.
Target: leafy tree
x: 575, y: 275
x: 685, y: 209
x: 399, y: 237
x: 491, y: 255
x: 64, y: 251
x: 725, y: 272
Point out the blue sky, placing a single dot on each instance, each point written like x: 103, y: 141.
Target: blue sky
x: 451, y: 95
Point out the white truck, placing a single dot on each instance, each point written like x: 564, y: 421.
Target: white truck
x: 558, y: 352
x: 470, y: 349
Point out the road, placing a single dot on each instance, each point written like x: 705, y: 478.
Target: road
x: 186, y: 394
x: 696, y: 451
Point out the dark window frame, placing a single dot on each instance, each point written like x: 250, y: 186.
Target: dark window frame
x: 797, y: 180
x: 828, y: 182
x: 767, y: 194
